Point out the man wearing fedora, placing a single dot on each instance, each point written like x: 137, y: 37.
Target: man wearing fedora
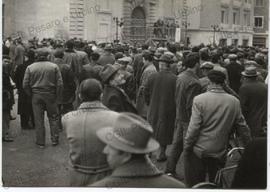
x: 253, y: 98
x: 128, y: 141
x: 114, y: 97
x: 88, y: 163
x: 107, y: 57
x: 160, y: 96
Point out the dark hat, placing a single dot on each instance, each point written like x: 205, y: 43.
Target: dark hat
x: 250, y: 72
x: 59, y: 53
x: 216, y: 76
x: 108, y: 71
x: 166, y: 58
x: 130, y: 133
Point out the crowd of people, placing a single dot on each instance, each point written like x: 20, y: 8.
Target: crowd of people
x: 121, y: 106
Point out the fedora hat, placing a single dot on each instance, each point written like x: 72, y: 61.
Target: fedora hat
x: 250, y: 72
x: 130, y: 133
x: 108, y: 71
x: 207, y: 65
x: 108, y: 47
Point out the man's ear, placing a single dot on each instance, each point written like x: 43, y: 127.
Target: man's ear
x: 127, y: 157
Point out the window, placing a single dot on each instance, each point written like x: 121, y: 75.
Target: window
x: 258, y: 21
x: 247, y: 18
x: 235, y: 42
x: 236, y: 16
x: 259, y: 3
x: 245, y: 42
x: 224, y: 15
x: 223, y: 42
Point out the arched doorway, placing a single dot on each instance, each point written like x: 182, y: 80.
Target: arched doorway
x: 138, y: 25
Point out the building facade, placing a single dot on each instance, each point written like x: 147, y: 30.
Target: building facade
x: 261, y: 23
x: 225, y: 22
x: 100, y: 20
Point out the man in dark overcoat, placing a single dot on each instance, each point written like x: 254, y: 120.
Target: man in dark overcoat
x: 160, y: 96
x: 114, y: 97
x: 253, y: 99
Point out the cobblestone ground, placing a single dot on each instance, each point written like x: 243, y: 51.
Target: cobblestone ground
x: 25, y: 165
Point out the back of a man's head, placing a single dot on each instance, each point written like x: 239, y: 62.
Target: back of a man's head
x: 70, y: 44
x: 90, y: 90
x: 191, y: 60
x: 216, y: 77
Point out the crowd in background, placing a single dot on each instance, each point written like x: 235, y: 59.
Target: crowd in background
x: 197, y: 99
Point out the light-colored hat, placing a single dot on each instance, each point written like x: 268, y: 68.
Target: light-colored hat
x: 232, y: 56
x: 207, y: 65
x: 130, y: 133
x: 250, y: 72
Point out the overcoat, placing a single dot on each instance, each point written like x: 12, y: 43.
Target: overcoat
x: 117, y: 100
x: 160, y: 95
x: 253, y: 99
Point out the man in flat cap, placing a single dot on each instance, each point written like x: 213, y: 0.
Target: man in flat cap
x: 43, y: 82
x: 128, y: 143
x: 214, y: 115
x: 107, y: 57
x: 234, y: 72
x: 88, y: 163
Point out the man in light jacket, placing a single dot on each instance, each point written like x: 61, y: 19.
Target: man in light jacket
x: 85, y: 149
x: 214, y: 115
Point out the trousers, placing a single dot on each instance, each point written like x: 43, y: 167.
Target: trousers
x: 177, y: 146
x: 41, y: 103
x: 197, y: 168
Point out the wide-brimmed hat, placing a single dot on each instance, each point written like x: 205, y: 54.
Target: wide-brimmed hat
x: 108, y: 47
x: 250, y: 72
x: 207, y: 65
x: 130, y: 133
x: 166, y: 58
x: 232, y: 56
x: 108, y: 71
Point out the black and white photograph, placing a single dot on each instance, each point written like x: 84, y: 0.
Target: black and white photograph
x: 146, y: 94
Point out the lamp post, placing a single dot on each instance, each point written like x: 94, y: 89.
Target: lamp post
x: 216, y: 28
x: 119, y: 23
x: 185, y: 24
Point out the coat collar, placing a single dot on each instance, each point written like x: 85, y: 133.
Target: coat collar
x: 91, y: 105
x: 191, y: 73
x: 137, y: 168
x: 215, y: 89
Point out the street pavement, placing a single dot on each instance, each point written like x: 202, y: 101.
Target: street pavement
x: 26, y: 165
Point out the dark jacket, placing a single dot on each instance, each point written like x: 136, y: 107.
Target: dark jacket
x: 69, y: 88
x: 234, y: 73
x: 72, y: 59
x: 106, y: 59
x: 139, y: 173
x: 253, y: 98
x: 117, y: 100
x: 187, y: 87
x: 160, y: 94
x: 24, y: 101
x: 252, y: 169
